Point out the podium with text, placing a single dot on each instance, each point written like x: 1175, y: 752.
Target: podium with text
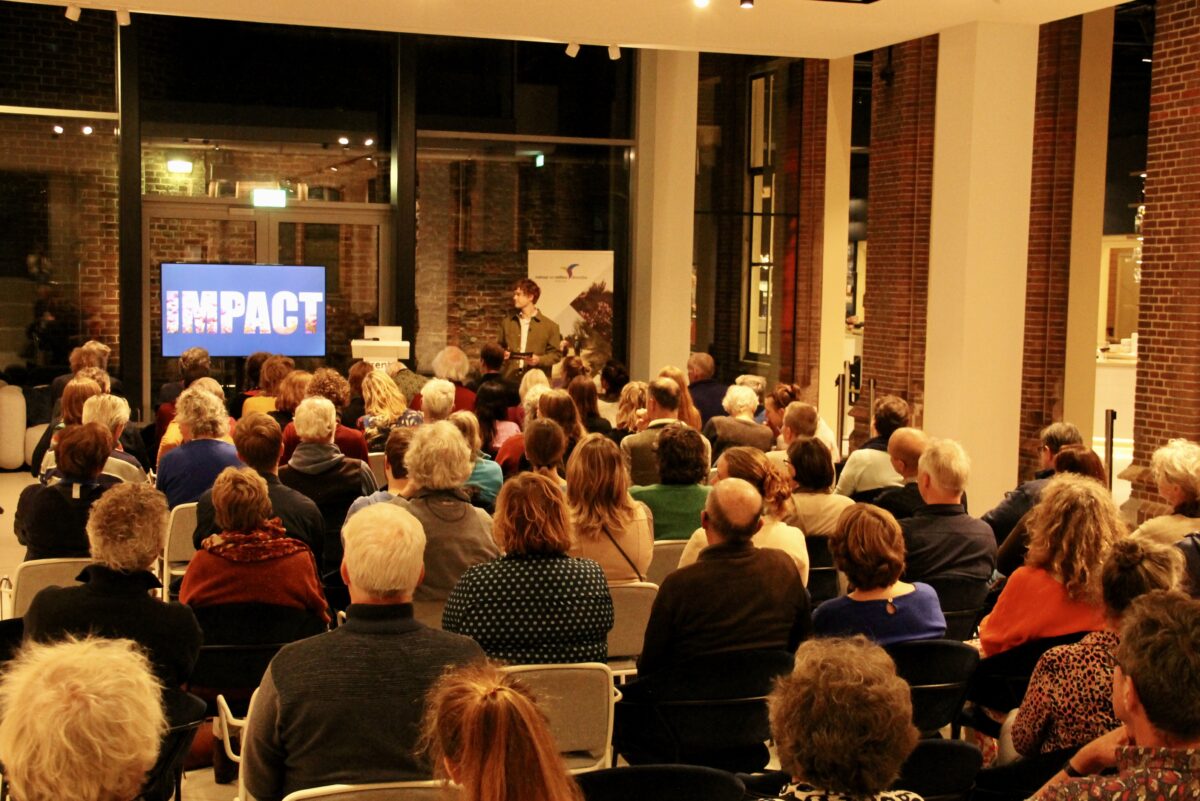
x: 380, y: 346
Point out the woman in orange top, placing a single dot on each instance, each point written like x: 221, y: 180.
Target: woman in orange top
x: 1057, y: 591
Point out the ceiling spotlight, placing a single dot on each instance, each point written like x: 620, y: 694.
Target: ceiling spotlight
x: 87, y: 130
x: 73, y: 13
x: 700, y: 3
x: 343, y: 140
x: 368, y: 142
x: 614, y: 52
x: 58, y: 130
x: 746, y: 3
x: 123, y: 17
x: 573, y: 49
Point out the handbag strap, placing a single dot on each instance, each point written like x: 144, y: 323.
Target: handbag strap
x: 624, y: 555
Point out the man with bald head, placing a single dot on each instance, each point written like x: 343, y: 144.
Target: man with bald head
x: 736, y: 596
x: 905, y: 449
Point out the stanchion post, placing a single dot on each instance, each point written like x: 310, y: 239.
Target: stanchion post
x: 1110, y: 421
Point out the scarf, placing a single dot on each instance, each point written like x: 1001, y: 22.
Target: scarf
x: 268, y: 541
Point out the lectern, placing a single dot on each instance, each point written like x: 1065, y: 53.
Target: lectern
x: 380, y: 346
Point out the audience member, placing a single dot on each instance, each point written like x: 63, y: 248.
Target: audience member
x: 904, y: 449
x: 613, y: 380
x: 688, y: 413
x: 356, y: 408
x: 251, y: 387
x: 587, y: 403
x: 707, y: 393
x: 545, y: 449
x: 1057, y: 591
x: 436, y: 400
x: 187, y: 471
x: 751, y: 465
x: 324, y: 701
x: 678, y: 499
x: 570, y: 368
x: 607, y: 524
x: 193, y: 363
x: 51, y: 519
x: 486, y: 476
x: 1176, y: 470
x: 491, y: 362
x: 941, y: 540
x: 90, y: 354
x: 172, y: 438
x: 1156, y: 695
x: 869, y: 548
x: 292, y: 391
x: 842, y: 723
x: 274, y: 370
x: 75, y: 394
x: 385, y: 409
x: 394, y: 470
x: 801, y: 420
x: 82, y: 720
x: 775, y: 404
x: 125, y: 532
x: 328, y: 383
x: 817, y: 506
x: 451, y: 364
x: 112, y: 412
x: 491, y: 409
x: 485, y: 733
x: 758, y: 385
x: 1016, y: 503
x: 511, y: 457
x: 739, y: 427
x: 535, y: 604
x: 408, y: 382
x: 556, y: 405
x: 458, y: 535
x: 868, y: 471
x: 662, y: 410
x: 630, y: 404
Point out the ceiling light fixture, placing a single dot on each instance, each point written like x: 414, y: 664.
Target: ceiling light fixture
x: 572, y: 49
x: 343, y: 140
x: 58, y: 130
x: 179, y: 166
x: 614, y: 52
x: 87, y: 130
x: 700, y: 3
x: 73, y: 13
x: 123, y: 18
x: 368, y: 142
x: 746, y: 3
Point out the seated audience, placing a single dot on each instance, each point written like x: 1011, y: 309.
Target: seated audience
x: 1176, y: 469
x: 112, y: 412
x: 193, y: 363
x: 485, y: 733
x: 324, y: 701
x: 458, y: 535
x: 394, y: 469
x: 739, y: 427
x: 751, y: 465
x: 125, y: 532
x: 570, y: 368
x: 587, y: 403
x: 707, y: 393
x: 630, y: 403
x: 51, y: 520
x: 817, y: 506
x: 663, y: 399
x: 868, y: 471
x: 82, y: 720
x: 436, y: 400
x: 329, y: 478
x: 941, y: 540
x: 408, y: 382
x: 491, y: 409
x: 173, y: 437
x: 842, y: 723
x: 1016, y: 503
x: 356, y: 408
x: 385, y: 409
x: 187, y: 471
x: 775, y: 404
x: 800, y: 420
x: 904, y: 449
x: 614, y: 377
x: 535, y: 604
x: 869, y: 548
x: 556, y: 405
x: 1057, y: 591
x: 251, y: 387
x: 491, y: 362
x: 451, y: 364
x: 734, y: 598
x: 607, y: 525
x: 76, y: 393
x: 1156, y: 695
x: 759, y: 385
x: 545, y: 449
x: 259, y: 441
x: 511, y: 457
x: 486, y: 475
x: 677, y: 501
x: 327, y: 383
x: 292, y: 390
x: 274, y: 370
x: 688, y: 413
x: 90, y: 354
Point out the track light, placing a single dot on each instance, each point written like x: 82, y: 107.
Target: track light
x: 73, y: 13
x: 746, y: 3
x: 572, y: 49
x: 614, y: 52
x: 123, y: 17
x: 58, y: 130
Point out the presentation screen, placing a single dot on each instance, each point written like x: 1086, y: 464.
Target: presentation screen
x: 237, y: 309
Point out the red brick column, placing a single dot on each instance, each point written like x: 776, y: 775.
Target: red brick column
x: 899, y: 187
x: 1168, y: 379
x: 1048, y: 274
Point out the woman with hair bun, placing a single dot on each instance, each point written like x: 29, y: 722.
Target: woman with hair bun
x: 484, y: 732
x: 752, y: 465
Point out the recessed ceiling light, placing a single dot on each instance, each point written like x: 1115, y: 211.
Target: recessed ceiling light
x: 87, y: 130
x: 58, y: 129
x: 700, y: 3
x: 343, y: 140
x: 368, y: 142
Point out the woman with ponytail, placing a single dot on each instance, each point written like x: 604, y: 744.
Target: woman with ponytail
x: 484, y: 733
x: 752, y: 465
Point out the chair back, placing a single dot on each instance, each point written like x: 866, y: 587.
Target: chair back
x: 665, y: 559
x: 35, y: 576
x: 938, y: 673
x: 822, y: 574
x: 185, y: 713
x: 631, y: 613
x: 662, y: 783
x: 962, y: 600
x: 941, y: 770
x: 179, y: 550
x: 429, y: 613
x: 377, y: 461
x: 578, y: 701
x: 384, y: 791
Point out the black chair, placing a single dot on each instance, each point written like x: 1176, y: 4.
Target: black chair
x: 185, y: 712
x: 941, y: 770
x: 822, y: 574
x: 1001, y: 680
x: 962, y: 600
x: 768, y: 784
x: 660, y: 782
x: 938, y: 673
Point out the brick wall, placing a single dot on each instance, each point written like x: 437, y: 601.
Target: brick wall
x: 46, y: 60
x: 1048, y: 273
x: 806, y: 159
x: 900, y: 185
x: 1168, y: 377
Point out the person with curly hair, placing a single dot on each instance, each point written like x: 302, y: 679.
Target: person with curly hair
x: 385, y: 408
x: 187, y: 471
x: 842, y: 723
x: 678, y: 499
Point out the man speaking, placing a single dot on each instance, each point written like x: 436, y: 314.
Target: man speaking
x: 530, y: 339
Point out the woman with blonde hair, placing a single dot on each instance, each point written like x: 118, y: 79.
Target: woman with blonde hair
x: 688, y: 412
x: 608, y: 525
x: 386, y: 408
x: 1057, y: 591
x: 536, y: 604
x: 485, y: 733
x: 752, y: 465
x: 187, y: 471
x: 1176, y: 470
x: 631, y: 401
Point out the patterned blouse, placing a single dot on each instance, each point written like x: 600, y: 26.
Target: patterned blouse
x: 1069, y: 700
x: 1154, y: 774
x: 805, y: 792
x: 534, y: 609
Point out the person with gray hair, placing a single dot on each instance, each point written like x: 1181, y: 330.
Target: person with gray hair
x: 100, y: 692
x: 1176, y: 470
x: 450, y: 365
x: 458, y: 534
x: 941, y: 540
x: 326, y: 703
x: 112, y: 412
x: 738, y: 426
x: 125, y: 531
x: 436, y: 401
x: 330, y: 479
x: 187, y: 471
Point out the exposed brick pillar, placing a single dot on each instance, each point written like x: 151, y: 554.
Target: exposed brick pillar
x: 899, y: 186
x: 1048, y: 273
x: 1168, y: 377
